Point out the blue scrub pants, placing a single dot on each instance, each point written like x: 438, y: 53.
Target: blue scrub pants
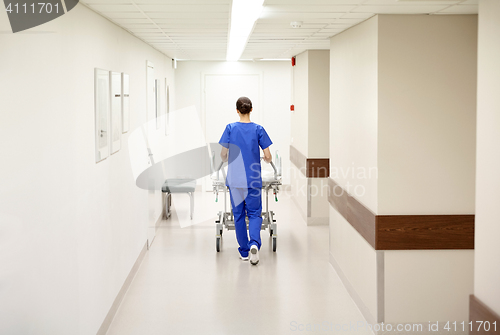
x: 247, y: 202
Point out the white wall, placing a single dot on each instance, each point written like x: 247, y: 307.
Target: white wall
x: 318, y: 89
x: 320, y: 207
x: 300, y: 116
x: 357, y: 260
x: 311, y: 92
x: 427, y: 114
x: 426, y: 154
x: 310, y: 132
x: 299, y: 190
x: 299, y: 134
x: 70, y: 229
x: 404, y: 103
x: 275, y: 115
x: 487, y: 247
x: 353, y: 147
x: 318, y: 130
x: 427, y: 285
x: 353, y: 110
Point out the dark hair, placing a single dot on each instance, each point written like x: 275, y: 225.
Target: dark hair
x: 244, y: 105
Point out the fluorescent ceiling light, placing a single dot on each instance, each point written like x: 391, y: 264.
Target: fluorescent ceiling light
x: 275, y: 59
x: 244, y: 13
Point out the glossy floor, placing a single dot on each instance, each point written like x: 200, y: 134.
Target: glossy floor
x: 185, y: 287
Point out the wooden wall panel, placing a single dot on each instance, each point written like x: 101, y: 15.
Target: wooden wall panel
x: 298, y: 159
x: 410, y: 232
x: 361, y: 218
x: 317, y: 168
x: 403, y: 232
x: 337, y: 197
x: 310, y: 167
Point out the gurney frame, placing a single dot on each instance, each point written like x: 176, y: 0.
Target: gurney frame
x: 225, y: 219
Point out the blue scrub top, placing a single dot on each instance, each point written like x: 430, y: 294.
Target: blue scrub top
x: 243, y: 141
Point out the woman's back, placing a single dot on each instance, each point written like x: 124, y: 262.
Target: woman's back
x: 244, y: 140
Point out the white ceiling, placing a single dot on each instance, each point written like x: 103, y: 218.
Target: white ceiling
x: 198, y: 29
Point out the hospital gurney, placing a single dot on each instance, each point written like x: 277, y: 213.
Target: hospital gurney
x: 270, y: 181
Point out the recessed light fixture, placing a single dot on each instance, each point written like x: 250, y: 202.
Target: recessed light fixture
x: 296, y: 24
x: 244, y: 13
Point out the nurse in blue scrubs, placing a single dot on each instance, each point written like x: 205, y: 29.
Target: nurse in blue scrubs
x: 241, y: 143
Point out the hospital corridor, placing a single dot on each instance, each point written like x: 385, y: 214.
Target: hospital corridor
x: 249, y: 167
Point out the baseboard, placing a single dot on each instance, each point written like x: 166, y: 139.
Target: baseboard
x: 322, y: 221
x: 352, y: 292
x: 121, y: 294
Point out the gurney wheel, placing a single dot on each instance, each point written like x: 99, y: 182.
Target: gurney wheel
x: 275, y: 241
x: 217, y: 244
